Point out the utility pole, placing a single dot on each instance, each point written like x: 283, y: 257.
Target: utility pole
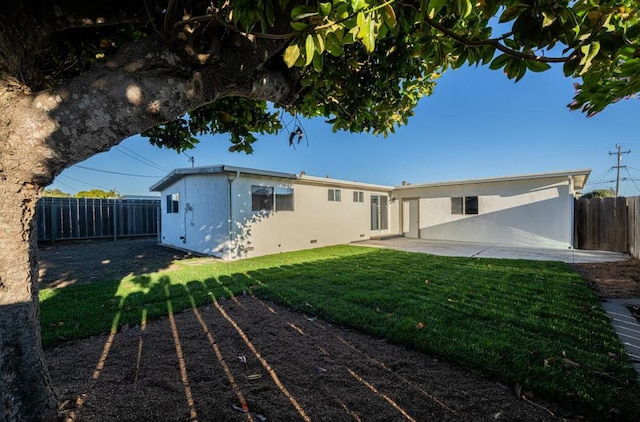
x: 619, y: 166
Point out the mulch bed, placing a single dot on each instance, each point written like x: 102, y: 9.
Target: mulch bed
x: 215, y: 362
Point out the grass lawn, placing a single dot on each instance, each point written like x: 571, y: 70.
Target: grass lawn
x: 535, y: 324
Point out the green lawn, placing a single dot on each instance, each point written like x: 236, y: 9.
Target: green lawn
x: 532, y: 323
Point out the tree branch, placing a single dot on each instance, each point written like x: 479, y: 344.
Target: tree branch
x: 495, y: 42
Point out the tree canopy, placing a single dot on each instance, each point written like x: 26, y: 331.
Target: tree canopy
x: 77, y: 77
x: 361, y: 64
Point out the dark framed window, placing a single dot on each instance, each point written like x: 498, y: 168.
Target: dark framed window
x: 464, y: 205
x: 470, y: 204
x: 261, y: 198
x: 173, y: 202
x: 335, y: 195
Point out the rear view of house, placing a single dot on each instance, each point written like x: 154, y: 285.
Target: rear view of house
x: 234, y: 212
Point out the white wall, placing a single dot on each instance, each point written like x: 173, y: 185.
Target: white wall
x: 202, y: 225
x: 314, y: 222
x: 532, y: 212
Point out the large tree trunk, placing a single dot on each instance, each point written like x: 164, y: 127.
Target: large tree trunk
x: 25, y: 387
x: 43, y: 133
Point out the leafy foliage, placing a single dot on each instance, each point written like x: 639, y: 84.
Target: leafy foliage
x: 365, y: 64
x: 57, y: 193
x: 97, y: 193
x: 599, y: 193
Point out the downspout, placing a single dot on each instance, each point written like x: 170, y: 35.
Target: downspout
x: 230, y: 219
x: 572, y: 213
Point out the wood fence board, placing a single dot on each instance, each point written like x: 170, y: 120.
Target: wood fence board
x: 88, y: 218
x: 609, y: 224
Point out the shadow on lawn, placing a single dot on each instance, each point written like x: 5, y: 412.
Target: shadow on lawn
x: 463, y: 320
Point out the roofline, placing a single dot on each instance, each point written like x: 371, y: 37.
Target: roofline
x: 179, y: 173
x: 575, y: 174
x: 314, y: 180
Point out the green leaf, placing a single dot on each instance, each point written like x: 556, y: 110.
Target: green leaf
x: 317, y: 63
x: 319, y: 43
x: 333, y: 45
x: 570, y: 67
x: 324, y: 8
x: 299, y: 26
x: 309, y: 49
x: 303, y: 12
x: 435, y: 6
x: 499, y: 62
x: 487, y: 54
x: 358, y: 5
x: 291, y: 55
x: 536, y: 66
x: 510, y: 14
x: 389, y: 16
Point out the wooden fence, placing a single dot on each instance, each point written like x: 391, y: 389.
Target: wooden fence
x: 91, y: 218
x: 608, y: 224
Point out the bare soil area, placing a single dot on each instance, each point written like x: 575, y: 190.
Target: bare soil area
x: 246, y: 359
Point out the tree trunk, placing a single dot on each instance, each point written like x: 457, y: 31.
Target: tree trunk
x: 25, y: 388
x: 43, y: 133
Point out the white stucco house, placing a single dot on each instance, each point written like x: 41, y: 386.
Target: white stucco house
x: 234, y: 212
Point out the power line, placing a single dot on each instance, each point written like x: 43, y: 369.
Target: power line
x: 86, y: 183
x: 115, y: 172
x: 633, y: 181
x: 139, y: 157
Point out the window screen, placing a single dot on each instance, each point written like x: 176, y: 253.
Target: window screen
x: 284, y: 199
x: 456, y: 205
x: 261, y: 198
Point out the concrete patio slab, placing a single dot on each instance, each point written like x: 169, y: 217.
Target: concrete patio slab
x: 488, y: 250
x: 626, y: 327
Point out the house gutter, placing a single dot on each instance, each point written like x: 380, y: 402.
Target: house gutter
x: 230, y: 219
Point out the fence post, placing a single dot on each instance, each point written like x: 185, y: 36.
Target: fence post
x: 115, y: 221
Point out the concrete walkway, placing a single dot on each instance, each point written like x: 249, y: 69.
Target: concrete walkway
x: 488, y: 250
x: 626, y: 327
x: 624, y: 323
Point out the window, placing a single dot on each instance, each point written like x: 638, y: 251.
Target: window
x: 464, y: 205
x: 335, y: 195
x: 358, y: 196
x: 470, y: 204
x: 266, y: 198
x: 284, y: 199
x: 457, y: 205
x: 261, y: 198
x: 379, y: 212
x: 172, y: 203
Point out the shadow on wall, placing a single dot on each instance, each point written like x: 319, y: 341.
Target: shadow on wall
x: 529, y: 224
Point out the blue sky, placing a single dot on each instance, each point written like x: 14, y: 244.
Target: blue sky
x: 476, y: 124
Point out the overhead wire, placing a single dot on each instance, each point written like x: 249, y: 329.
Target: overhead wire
x: 130, y: 153
x: 86, y: 183
x: 115, y: 172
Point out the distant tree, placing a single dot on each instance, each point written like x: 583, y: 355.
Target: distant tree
x: 55, y: 193
x: 600, y: 193
x: 78, y: 77
x: 97, y: 193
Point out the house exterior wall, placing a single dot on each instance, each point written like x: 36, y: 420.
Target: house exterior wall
x: 315, y: 221
x: 528, y: 212
x: 201, y: 223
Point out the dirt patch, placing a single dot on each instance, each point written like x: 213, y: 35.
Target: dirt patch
x: 85, y: 261
x: 214, y: 362
x: 613, y: 279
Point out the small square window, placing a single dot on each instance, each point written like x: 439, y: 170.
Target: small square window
x: 173, y: 202
x: 456, y: 205
x: 358, y: 196
x: 335, y: 195
x: 261, y: 198
x: 284, y: 199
